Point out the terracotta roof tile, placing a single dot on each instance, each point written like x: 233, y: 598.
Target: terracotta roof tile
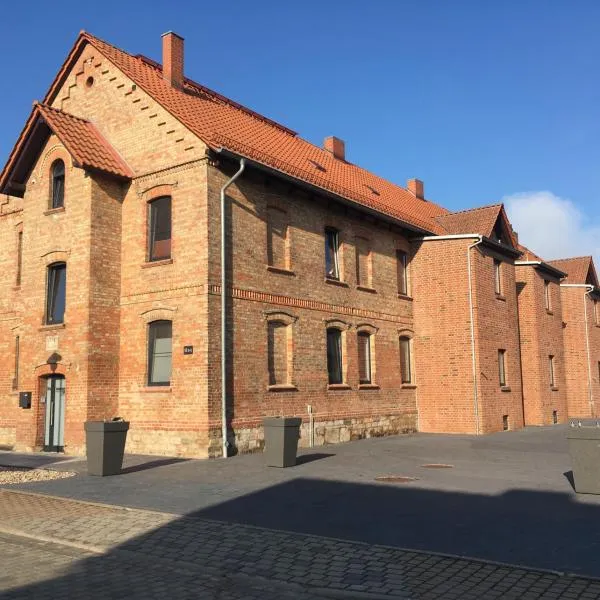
x: 84, y: 142
x: 477, y: 220
x: 221, y: 123
x: 528, y: 255
x: 577, y: 269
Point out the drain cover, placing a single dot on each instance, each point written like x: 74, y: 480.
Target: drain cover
x: 437, y: 466
x: 395, y: 479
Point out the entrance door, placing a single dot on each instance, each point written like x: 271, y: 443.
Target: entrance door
x: 54, y: 431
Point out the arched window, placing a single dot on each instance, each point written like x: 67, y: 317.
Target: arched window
x: 58, y: 184
x: 160, y: 342
x: 277, y: 353
x: 56, y: 293
x: 159, y: 233
x: 334, y: 355
x: 364, y: 357
x: 405, y: 360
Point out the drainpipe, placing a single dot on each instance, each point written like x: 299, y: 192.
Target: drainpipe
x: 471, y: 310
x: 224, y: 311
x: 590, y: 289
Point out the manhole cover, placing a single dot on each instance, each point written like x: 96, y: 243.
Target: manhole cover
x: 395, y: 479
x: 437, y: 466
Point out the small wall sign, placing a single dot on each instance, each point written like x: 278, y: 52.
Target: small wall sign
x: 188, y: 349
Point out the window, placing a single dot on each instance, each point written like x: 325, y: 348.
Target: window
x: 19, y: 257
x: 498, y: 276
x: 363, y: 255
x: 547, y: 298
x: 16, y: 377
x: 56, y: 293
x: 364, y: 357
x: 551, y: 365
x: 405, y: 360
x: 502, y: 367
x: 159, y: 235
x: 58, y: 184
x: 505, y: 423
x: 159, y: 352
x: 277, y: 232
x: 277, y: 352
x: 334, y: 355
x: 402, y: 268
x: 332, y: 250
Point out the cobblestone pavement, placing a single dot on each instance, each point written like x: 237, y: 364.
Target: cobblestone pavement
x: 58, y: 548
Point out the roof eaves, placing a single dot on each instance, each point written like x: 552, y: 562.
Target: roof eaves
x: 322, y: 190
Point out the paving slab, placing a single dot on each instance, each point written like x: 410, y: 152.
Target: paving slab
x: 92, y: 551
x: 507, y: 497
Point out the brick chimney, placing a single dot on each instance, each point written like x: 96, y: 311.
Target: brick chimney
x: 417, y: 187
x: 335, y: 146
x: 172, y: 59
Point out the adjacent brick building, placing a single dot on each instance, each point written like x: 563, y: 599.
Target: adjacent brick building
x: 350, y: 301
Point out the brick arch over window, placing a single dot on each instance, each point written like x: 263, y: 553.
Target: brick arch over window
x: 157, y: 191
x: 55, y: 256
x: 163, y: 313
x: 337, y: 324
x: 284, y: 317
x: 367, y: 328
x: 54, y: 153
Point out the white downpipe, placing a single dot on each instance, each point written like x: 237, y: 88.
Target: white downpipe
x: 471, y: 311
x: 587, y: 347
x: 224, y: 310
x: 311, y: 425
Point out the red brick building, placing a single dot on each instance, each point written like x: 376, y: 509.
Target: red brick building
x: 350, y: 301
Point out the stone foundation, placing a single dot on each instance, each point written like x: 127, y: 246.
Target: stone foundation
x: 8, y: 438
x: 187, y: 444
x: 334, y: 431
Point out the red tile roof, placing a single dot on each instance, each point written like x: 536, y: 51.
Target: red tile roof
x: 223, y: 124
x: 528, y: 255
x: 476, y: 220
x: 83, y: 141
x: 577, y: 269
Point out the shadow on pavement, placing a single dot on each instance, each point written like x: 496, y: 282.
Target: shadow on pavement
x: 307, y: 458
x: 569, y: 477
x: 153, y: 464
x: 266, y: 534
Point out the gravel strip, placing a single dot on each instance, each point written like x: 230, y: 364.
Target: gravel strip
x: 11, y: 475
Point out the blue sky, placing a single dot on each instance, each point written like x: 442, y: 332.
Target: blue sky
x: 484, y: 101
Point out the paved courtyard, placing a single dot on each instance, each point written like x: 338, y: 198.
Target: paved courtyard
x: 326, y: 528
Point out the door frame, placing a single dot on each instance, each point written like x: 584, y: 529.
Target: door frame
x: 50, y: 404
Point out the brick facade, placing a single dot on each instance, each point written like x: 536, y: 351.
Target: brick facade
x: 281, y: 303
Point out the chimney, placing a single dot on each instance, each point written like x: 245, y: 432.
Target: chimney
x: 335, y: 146
x: 416, y: 187
x: 172, y: 59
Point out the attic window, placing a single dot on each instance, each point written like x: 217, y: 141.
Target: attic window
x: 89, y: 82
x: 58, y: 184
x: 317, y: 165
x: 372, y: 190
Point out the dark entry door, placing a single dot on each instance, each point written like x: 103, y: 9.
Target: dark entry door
x: 54, y: 431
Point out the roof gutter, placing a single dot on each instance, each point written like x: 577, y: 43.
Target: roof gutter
x: 484, y: 241
x: 315, y: 188
x: 542, y: 266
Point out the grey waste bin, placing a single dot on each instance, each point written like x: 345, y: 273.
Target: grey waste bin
x: 281, y: 440
x: 105, y: 445
x: 584, y: 448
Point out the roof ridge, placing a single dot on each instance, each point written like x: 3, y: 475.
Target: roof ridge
x: 466, y: 210
x: 588, y: 256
